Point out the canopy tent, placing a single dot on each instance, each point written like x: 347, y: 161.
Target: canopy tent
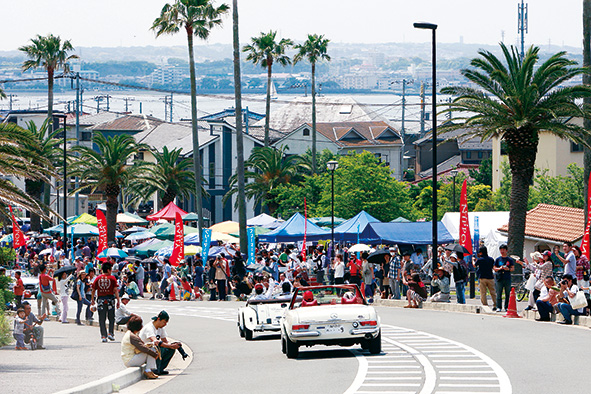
x: 194, y: 239
x: 274, y: 225
x: 79, y: 230
x: 261, y: 220
x: 134, y: 229
x: 130, y: 218
x: 327, y: 221
x: 258, y: 230
x: 349, y: 230
x: 168, y: 212
x: 166, y: 230
x: 190, y: 217
x: 150, y: 247
x: 226, y: 227
x: 414, y: 233
x: 140, y: 235
x: 85, y: 218
x: 293, y: 230
x: 400, y: 219
x: 487, y: 222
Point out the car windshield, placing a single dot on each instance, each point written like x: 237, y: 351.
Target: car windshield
x: 327, y: 295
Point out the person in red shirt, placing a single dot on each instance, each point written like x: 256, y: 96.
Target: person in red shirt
x: 46, y: 287
x: 19, y: 289
x: 354, y: 269
x: 106, y: 291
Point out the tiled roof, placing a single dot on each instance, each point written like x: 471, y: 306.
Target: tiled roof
x: 464, y: 143
x: 130, y: 123
x: 553, y: 222
x: 368, y: 132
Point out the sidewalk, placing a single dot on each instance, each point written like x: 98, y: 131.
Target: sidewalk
x: 74, y: 356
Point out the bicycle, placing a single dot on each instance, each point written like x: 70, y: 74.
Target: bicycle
x: 520, y: 290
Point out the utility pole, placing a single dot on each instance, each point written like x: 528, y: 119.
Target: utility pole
x: 246, y: 120
x: 167, y: 108
x: 78, y: 105
x: 403, y: 104
x: 10, y: 96
x: 171, y: 101
x: 522, y: 24
x: 422, y: 109
x: 127, y: 100
x: 98, y: 100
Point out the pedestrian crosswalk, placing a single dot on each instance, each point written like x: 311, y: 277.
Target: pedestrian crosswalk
x: 186, y: 309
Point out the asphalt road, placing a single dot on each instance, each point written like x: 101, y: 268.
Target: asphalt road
x: 424, y: 352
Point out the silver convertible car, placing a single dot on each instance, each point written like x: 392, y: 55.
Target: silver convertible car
x: 329, y: 315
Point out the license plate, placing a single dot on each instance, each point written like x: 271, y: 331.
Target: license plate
x: 334, y: 328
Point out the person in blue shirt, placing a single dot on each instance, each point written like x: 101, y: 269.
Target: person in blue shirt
x: 504, y: 266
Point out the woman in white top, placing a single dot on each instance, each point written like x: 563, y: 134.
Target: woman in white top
x: 63, y: 292
x: 134, y: 351
x: 339, y: 270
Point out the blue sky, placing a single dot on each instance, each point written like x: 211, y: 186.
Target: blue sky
x: 113, y: 23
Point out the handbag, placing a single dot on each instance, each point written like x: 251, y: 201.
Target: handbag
x: 531, y: 282
x: 578, y: 301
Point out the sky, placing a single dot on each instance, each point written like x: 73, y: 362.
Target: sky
x: 113, y: 23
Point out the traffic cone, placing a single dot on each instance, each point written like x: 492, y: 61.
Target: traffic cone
x: 512, y: 310
x: 172, y: 295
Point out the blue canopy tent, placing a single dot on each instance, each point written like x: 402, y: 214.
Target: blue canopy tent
x: 414, y: 233
x: 293, y: 230
x: 352, y: 228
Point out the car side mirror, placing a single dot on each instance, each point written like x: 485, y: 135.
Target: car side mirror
x: 284, y: 305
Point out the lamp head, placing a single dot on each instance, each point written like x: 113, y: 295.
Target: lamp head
x: 454, y: 173
x: 425, y: 25
x: 332, y: 165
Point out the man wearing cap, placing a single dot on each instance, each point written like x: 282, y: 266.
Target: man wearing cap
x: 122, y: 314
x: 155, y: 333
x: 503, y: 267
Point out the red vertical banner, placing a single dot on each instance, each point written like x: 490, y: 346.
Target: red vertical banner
x: 18, y: 238
x: 585, y: 240
x: 178, y: 250
x: 465, y: 236
x: 101, y: 222
x: 305, y: 229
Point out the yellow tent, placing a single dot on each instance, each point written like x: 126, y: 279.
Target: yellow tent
x: 86, y: 218
x: 226, y: 227
x: 191, y: 250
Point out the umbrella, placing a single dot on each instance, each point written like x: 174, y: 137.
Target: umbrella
x: 379, y: 256
x: 67, y: 269
x: 164, y: 252
x: 112, y: 252
x: 134, y: 229
x: 43, y: 236
x: 140, y: 235
x: 190, y: 217
x: 86, y: 218
x: 359, y: 248
x: 132, y: 259
x: 457, y: 248
x: 226, y: 227
x: 45, y: 251
x: 259, y: 268
x: 130, y: 218
x: 192, y: 250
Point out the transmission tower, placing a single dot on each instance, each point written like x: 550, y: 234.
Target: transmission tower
x: 522, y: 24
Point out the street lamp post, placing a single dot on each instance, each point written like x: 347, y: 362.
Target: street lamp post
x: 433, y: 28
x: 454, y: 173
x: 332, y: 166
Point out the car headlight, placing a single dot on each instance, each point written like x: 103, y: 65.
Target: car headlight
x: 355, y: 324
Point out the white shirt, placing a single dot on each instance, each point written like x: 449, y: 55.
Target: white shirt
x: 150, y: 331
x: 121, y: 312
x: 63, y: 287
x: 417, y: 259
x: 571, y: 266
x: 339, y: 269
x: 574, y: 289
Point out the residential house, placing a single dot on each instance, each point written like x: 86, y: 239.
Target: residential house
x: 376, y: 137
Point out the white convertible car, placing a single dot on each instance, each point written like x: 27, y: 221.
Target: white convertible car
x: 261, y: 315
x: 330, y: 315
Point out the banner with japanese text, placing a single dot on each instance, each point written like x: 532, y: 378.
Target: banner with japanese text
x: 251, y: 236
x: 18, y: 238
x: 205, y: 243
x: 101, y: 222
x: 465, y: 236
x: 585, y: 241
x: 178, y: 249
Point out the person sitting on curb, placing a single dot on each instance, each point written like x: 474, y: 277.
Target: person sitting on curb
x: 417, y: 292
x: 134, y: 351
x: 122, y: 315
x: 569, y: 290
x: 155, y: 333
x: 548, y: 298
x: 35, y: 323
x: 441, y: 280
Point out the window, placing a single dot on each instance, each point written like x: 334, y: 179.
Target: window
x: 503, y: 148
x: 480, y: 154
x: 575, y: 147
x: 140, y: 156
x: 85, y: 136
x: 306, y: 132
x: 468, y: 155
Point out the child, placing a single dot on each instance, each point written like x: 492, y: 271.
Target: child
x: 19, y: 328
x: 187, y: 289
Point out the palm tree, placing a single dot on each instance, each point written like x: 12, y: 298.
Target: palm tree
x: 196, y: 17
x: 264, y: 50
x: 46, y: 145
x: 173, y: 175
x: 517, y: 100
x: 107, y: 171
x: 51, y: 54
x: 2, y: 94
x: 239, y: 137
x: 19, y: 157
x: 313, y: 49
x: 267, y: 168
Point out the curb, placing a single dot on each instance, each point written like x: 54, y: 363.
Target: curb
x: 109, y: 383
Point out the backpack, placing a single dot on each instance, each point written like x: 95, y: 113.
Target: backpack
x: 460, y: 273
x: 75, y: 296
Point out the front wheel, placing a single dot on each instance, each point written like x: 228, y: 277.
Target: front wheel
x: 375, y: 344
x: 291, y: 348
x: 247, y: 334
x: 521, y: 292
x: 283, y: 345
x: 241, y: 331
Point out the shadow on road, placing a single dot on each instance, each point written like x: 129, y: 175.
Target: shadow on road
x: 322, y: 354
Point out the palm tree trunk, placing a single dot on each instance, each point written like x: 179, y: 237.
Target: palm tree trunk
x: 587, y: 100
x: 168, y: 197
x: 522, y: 157
x: 112, y: 207
x: 268, y: 104
x: 313, y: 118
x: 34, y: 189
x: 196, y: 153
x: 50, y: 98
x: 239, y: 137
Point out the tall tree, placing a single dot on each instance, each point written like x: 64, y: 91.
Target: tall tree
x: 196, y: 17
x: 19, y: 157
x: 107, y: 170
x: 314, y: 49
x: 587, y: 100
x: 517, y: 100
x: 265, y: 50
x: 51, y: 54
x: 48, y: 151
x: 239, y: 136
x: 2, y: 94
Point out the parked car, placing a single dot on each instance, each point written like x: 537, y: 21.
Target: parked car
x: 261, y: 315
x: 330, y: 315
x: 31, y: 284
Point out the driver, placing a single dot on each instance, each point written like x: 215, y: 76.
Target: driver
x: 260, y: 293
